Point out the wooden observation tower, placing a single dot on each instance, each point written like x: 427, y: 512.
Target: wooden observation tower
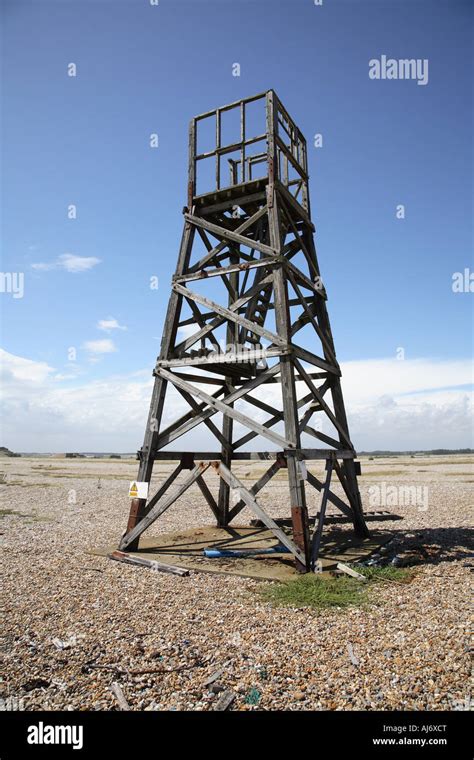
x: 247, y: 340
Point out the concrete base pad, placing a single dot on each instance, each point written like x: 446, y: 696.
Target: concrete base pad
x: 185, y: 549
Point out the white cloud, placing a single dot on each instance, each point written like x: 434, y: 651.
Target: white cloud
x: 73, y: 263
x: 187, y: 330
x: 59, y: 377
x: 42, y: 415
x: 109, y: 324
x: 42, y: 266
x: 23, y: 371
x: 69, y: 262
x: 364, y: 380
x: 103, y: 346
x: 411, y: 404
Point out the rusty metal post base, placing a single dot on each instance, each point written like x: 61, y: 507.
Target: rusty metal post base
x: 300, y: 522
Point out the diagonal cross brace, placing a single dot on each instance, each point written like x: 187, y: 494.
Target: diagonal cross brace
x: 332, y: 497
x: 190, y: 420
x: 218, y: 321
x: 241, y: 228
x: 158, y: 509
x: 230, y: 314
x: 221, y: 406
x: 261, y: 483
x: 316, y: 541
x: 252, y: 503
x: 225, y: 234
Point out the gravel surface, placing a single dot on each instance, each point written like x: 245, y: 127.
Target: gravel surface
x: 74, y: 624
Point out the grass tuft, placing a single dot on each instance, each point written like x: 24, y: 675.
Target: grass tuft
x: 387, y: 573
x: 322, y: 592
x: 312, y: 591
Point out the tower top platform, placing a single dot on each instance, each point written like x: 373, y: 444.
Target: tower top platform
x: 236, y: 150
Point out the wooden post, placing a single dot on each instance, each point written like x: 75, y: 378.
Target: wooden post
x: 232, y: 339
x: 147, y: 452
x: 299, y: 512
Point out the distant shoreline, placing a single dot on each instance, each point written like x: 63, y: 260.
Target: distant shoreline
x: 132, y: 455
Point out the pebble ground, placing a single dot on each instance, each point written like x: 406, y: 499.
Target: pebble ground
x: 74, y: 623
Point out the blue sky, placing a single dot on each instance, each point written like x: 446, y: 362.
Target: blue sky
x: 145, y: 69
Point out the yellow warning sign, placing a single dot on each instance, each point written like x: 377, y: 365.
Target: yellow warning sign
x: 138, y: 490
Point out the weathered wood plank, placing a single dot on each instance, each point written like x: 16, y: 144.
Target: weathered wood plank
x: 203, y: 274
x: 261, y: 483
x: 116, y: 690
x: 226, y: 235
x: 251, y: 502
x: 230, y: 314
x: 152, y: 564
x: 224, y: 407
x: 192, y: 419
x: 158, y: 509
x: 333, y: 497
x: 306, y: 454
x: 316, y: 540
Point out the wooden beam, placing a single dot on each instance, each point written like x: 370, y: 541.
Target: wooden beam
x: 152, y: 564
x: 203, y: 274
x: 158, y: 509
x: 316, y: 540
x: 261, y: 483
x: 230, y: 314
x: 201, y: 483
x: 333, y: 497
x: 244, y: 226
x: 269, y: 456
x: 224, y: 407
x: 249, y: 355
x: 251, y: 502
x: 192, y: 419
x: 223, y: 234
x: 162, y: 489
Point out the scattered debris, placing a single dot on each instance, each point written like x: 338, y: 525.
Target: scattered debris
x: 116, y: 690
x: 224, y: 701
x: 355, y: 660
x: 349, y: 571
x: 35, y: 683
x: 150, y: 563
x: 65, y: 643
x: 212, y: 553
x: 253, y: 697
x: 213, y: 678
x: 415, y: 556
